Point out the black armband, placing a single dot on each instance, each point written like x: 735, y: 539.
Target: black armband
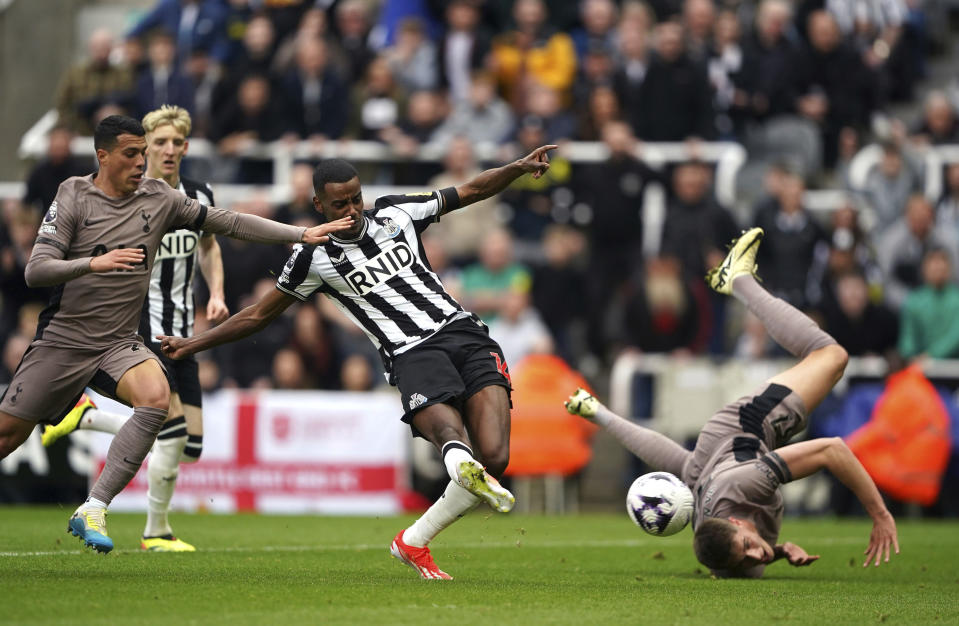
x: 450, y: 199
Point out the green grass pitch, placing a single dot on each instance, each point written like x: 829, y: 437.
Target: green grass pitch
x: 508, y: 569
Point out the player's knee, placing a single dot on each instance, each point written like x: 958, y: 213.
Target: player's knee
x: 839, y: 358
x: 155, y: 394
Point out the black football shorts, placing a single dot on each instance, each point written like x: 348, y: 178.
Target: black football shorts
x: 449, y: 367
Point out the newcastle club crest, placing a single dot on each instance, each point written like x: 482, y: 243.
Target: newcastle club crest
x: 392, y: 228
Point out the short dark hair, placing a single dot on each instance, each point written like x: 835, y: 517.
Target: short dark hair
x: 106, y: 133
x: 713, y: 542
x: 332, y: 171
x: 937, y: 250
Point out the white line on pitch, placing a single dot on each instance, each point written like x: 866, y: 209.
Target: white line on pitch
x: 628, y: 543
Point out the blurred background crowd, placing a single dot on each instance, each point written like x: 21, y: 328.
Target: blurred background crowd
x: 570, y: 263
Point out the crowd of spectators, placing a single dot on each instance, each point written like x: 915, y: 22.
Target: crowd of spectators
x: 565, y: 262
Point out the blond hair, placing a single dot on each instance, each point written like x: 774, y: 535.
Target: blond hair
x: 177, y: 117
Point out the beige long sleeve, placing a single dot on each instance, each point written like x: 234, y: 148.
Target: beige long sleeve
x: 250, y: 227
x: 47, y: 267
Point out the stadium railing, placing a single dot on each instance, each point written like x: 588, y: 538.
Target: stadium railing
x: 932, y: 159
x: 727, y: 157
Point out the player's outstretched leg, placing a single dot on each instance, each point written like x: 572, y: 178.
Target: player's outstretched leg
x: 655, y: 450
x: 788, y: 326
x: 69, y: 423
x: 469, y: 485
x: 823, y: 360
x: 124, y: 458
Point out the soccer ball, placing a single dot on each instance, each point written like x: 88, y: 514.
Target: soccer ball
x: 659, y: 503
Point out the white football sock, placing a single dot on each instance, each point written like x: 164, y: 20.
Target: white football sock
x: 92, y: 503
x: 452, y: 505
x: 95, y: 419
x: 454, y: 452
x: 162, y: 471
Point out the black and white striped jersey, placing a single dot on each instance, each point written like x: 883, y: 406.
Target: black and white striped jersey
x: 169, y: 308
x: 382, y: 279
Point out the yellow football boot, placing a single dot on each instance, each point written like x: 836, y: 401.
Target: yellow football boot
x: 68, y: 424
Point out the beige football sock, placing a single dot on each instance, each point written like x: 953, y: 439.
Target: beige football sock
x: 786, y: 324
x: 126, y: 453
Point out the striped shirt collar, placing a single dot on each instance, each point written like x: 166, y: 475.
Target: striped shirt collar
x: 366, y: 226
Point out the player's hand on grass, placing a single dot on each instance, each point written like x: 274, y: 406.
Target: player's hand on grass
x: 119, y: 259
x: 796, y: 555
x: 537, y: 161
x: 216, y: 310
x: 319, y: 234
x: 882, y: 538
x: 174, y: 347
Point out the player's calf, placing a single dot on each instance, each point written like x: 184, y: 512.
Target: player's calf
x: 495, y: 460
x: 126, y: 453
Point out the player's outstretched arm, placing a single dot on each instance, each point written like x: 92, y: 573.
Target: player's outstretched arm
x: 248, y: 321
x: 262, y: 230
x: 47, y: 267
x: 807, y: 457
x: 493, y: 181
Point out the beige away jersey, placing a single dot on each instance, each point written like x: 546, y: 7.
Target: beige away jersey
x: 98, y: 309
